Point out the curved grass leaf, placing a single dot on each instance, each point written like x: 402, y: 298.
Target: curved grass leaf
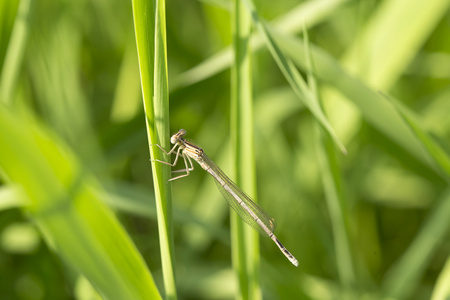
x: 442, y: 288
x: 64, y: 203
x: 437, y: 156
x: 369, y: 102
x: 391, y: 38
x: 292, y: 75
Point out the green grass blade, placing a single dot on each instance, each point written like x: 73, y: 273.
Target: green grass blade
x: 402, y: 279
x: 225, y: 4
x: 442, y: 288
x: 382, y: 50
x: 131, y: 200
x: 245, y: 240
x: 15, y: 51
x: 150, y: 30
x: 336, y: 205
x: 54, y: 69
x: 144, y: 20
x: 311, y: 13
x: 332, y: 184
x: 328, y: 69
x: 369, y: 102
x: 291, y: 74
x: 437, y: 156
x: 65, y: 204
x: 127, y: 97
x: 392, y: 38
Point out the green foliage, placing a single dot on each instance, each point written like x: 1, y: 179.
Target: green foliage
x: 245, y: 241
x: 150, y: 29
x: 84, y: 214
x: 65, y: 205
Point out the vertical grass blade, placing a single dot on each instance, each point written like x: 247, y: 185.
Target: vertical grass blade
x: 150, y: 30
x: 332, y: 185
x: 245, y: 240
x: 14, y: 54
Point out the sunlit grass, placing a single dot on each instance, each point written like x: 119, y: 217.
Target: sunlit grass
x: 84, y: 200
x: 245, y: 241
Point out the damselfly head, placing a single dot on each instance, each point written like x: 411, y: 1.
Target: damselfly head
x: 174, y: 139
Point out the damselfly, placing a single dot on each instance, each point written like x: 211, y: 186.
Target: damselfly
x: 248, y: 210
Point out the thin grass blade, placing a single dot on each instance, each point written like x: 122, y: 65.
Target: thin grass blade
x: 403, y: 278
x: 311, y: 12
x: 332, y: 184
x: 369, y: 102
x: 15, y: 51
x: 150, y: 30
x: 439, y: 159
x: 245, y: 241
x: 441, y: 289
x: 292, y: 75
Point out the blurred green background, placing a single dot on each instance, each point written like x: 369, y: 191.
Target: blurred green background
x: 70, y: 82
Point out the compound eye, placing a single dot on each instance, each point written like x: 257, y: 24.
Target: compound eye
x: 174, y: 139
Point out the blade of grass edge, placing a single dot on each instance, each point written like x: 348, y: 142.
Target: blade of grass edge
x: 439, y: 159
x: 368, y: 101
x: 64, y: 202
x: 150, y: 31
x: 403, y: 277
x: 329, y: 70
x: 15, y: 51
x: 391, y: 38
x: 314, y: 11
x: 292, y: 75
x: 441, y: 289
x: 332, y: 183
x: 245, y: 240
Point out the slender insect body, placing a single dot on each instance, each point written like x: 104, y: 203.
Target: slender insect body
x: 248, y: 210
